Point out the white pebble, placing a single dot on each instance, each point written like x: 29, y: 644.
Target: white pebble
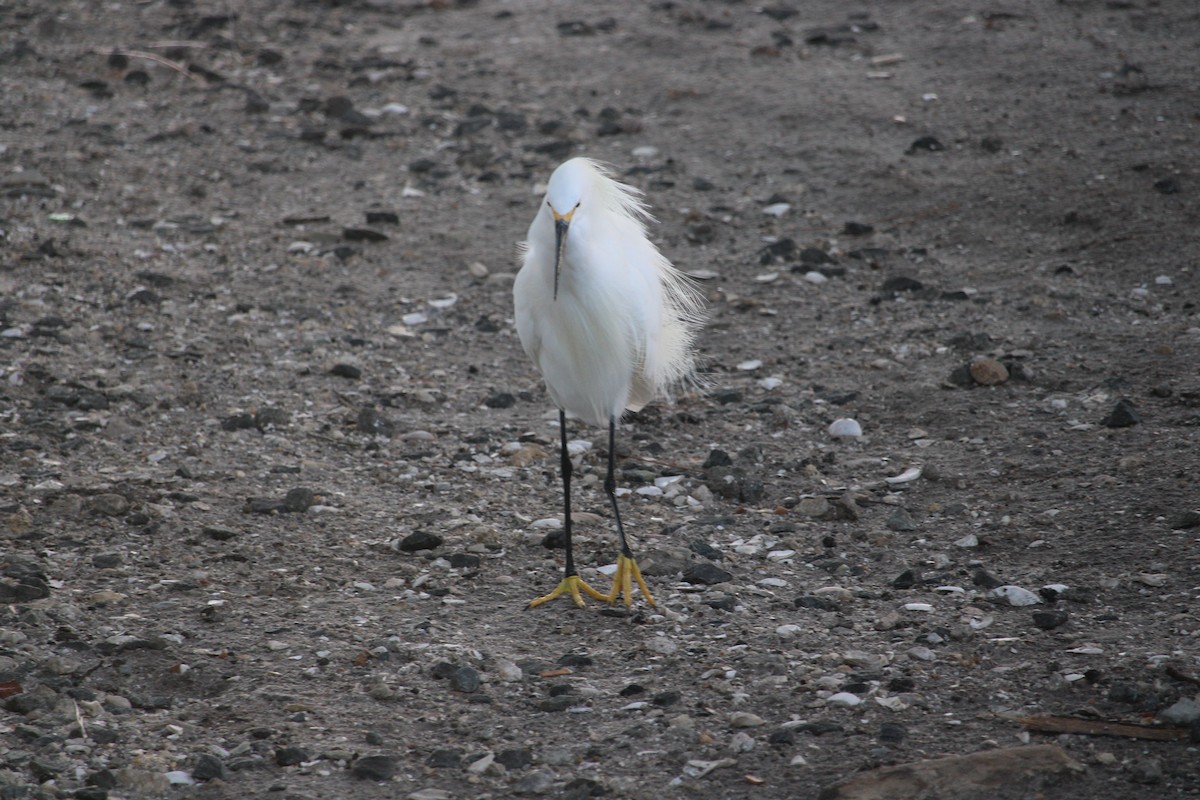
x: 546, y: 522
x: 812, y: 276
x: 577, y: 447
x: 908, y: 476
x: 845, y: 428
x: 645, y: 151
x: 789, y: 631
x: 970, y: 540
x: 847, y: 699
x: 770, y: 384
x: 414, y: 318
x: 650, y: 491
x: 918, y: 607
x: 777, y: 209
x: 1164, y: 280
x: 1015, y: 595
x: 396, y: 109
x: 752, y: 364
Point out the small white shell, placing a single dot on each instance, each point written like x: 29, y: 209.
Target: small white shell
x: 845, y: 428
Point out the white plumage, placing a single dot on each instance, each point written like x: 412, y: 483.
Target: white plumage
x: 621, y: 329
x: 608, y: 321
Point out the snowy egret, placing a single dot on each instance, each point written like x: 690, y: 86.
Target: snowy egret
x: 609, y: 323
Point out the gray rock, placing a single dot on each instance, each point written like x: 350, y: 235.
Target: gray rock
x: 1183, y: 712
x: 900, y: 520
x: 374, y: 768
x: 208, y: 767
x: 109, y: 505
x: 537, y: 782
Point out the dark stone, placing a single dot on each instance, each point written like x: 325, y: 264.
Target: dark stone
x: 1049, y: 620
x: 500, y: 400
x: 717, y: 458
x: 723, y: 602
x: 299, y: 500
x: 667, y: 698
x: 810, y: 256
x: 370, y: 421
x: 557, y: 703
x: 901, y: 283
x: 464, y: 561
x: 575, y: 660
x: 706, y: 574
x: 465, y: 680
x: 106, y: 560
x: 238, y: 422
x: 727, y: 396
x: 820, y: 728
x: 1167, y: 185
x: 706, y: 550
x: 383, y: 218
x: 892, y: 733
x: 514, y: 758
x: 631, y: 690
x: 445, y: 758
x: 1123, y: 415
x: 374, y: 768
x: 785, y: 737
x: 291, y: 756
x: 346, y: 371
x: 271, y: 417
x: 207, y: 767
x: 857, y: 229
x: 420, y: 540
x: 929, y: 144
x: 816, y: 601
x: 1186, y: 520
x: 905, y: 580
x: 901, y: 521
x: 987, y: 580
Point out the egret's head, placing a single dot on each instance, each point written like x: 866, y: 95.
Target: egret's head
x: 566, y: 194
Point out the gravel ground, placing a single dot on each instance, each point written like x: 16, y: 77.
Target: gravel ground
x: 277, y: 480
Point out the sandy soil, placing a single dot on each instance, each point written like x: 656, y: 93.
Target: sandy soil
x: 276, y: 475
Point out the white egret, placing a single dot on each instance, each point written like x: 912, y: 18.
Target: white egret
x: 609, y: 323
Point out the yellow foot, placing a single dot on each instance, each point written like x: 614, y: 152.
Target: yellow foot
x: 571, y: 585
x: 627, y: 573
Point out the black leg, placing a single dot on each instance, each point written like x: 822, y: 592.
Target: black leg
x: 566, y: 478
x: 610, y: 486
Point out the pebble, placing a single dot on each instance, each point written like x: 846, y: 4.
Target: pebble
x: 429, y: 793
x: 481, y: 765
x: 845, y: 428
x: 789, y: 631
x: 1123, y: 415
x: 848, y: 699
x: 1183, y: 712
x: 419, y: 540
x: 537, y: 782
x: 988, y: 372
x: 1146, y: 771
x: 922, y: 654
x: 208, y: 767
x: 813, y: 507
x: 744, y: 719
x: 1014, y: 595
x: 705, y: 573
x: 110, y: 505
x: 291, y: 756
x: 901, y: 521
x: 1049, y: 620
x: 374, y: 768
x: 465, y: 679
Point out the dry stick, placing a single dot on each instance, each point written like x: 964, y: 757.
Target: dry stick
x: 1087, y: 727
x: 157, y: 59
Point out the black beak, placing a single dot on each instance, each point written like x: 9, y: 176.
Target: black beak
x: 560, y: 244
